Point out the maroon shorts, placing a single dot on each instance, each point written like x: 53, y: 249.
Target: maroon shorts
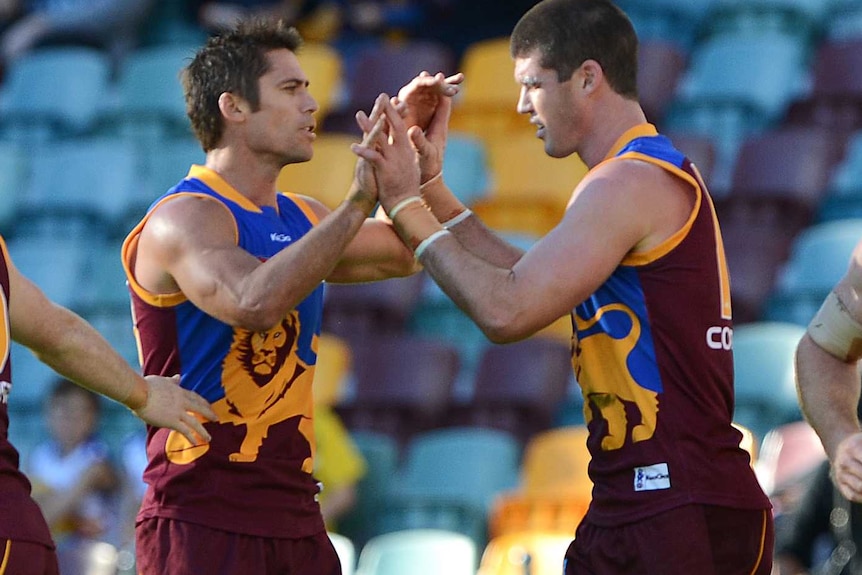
x: 169, y: 547
x: 26, y: 558
x: 701, y: 539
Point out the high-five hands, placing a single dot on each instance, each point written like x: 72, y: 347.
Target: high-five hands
x: 391, y: 153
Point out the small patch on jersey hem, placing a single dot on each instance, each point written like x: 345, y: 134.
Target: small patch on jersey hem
x: 652, y: 477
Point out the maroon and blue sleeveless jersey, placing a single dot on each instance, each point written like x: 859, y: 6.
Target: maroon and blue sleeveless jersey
x: 254, y: 477
x: 20, y: 517
x: 654, y: 361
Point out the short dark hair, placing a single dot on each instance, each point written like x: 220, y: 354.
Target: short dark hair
x: 232, y: 61
x: 569, y: 32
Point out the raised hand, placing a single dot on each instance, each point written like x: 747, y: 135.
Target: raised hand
x: 392, y: 155
x: 169, y: 405
x: 418, y: 99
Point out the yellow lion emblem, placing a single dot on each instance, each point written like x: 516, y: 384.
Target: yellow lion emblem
x: 265, y: 383
x: 606, y: 381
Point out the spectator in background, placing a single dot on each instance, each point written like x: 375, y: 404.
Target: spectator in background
x: 74, y: 482
x: 110, y: 24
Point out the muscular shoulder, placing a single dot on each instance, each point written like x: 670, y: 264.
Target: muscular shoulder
x: 654, y: 201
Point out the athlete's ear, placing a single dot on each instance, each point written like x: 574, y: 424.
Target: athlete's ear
x: 232, y: 107
x: 589, y: 75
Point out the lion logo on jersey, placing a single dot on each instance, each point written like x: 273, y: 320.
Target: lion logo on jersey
x: 265, y: 383
x: 607, y: 383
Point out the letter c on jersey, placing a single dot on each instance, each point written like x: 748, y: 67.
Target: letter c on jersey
x: 718, y: 337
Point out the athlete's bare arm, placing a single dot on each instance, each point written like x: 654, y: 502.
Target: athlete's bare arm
x: 829, y: 386
x: 74, y: 349
x: 620, y: 207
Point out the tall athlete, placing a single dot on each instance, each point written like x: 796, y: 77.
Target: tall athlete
x: 637, y: 261
x: 226, y: 284
x: 69, y: 345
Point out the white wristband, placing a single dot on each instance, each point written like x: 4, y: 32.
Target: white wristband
x: 457, y: 219
x: 402, y: 204
x: 431, y: 180
x: 423, y: 245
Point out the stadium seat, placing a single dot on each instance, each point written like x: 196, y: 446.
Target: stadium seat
x: 449, y: 479
x: 534, y: 552
x: 418, y: 552
x: 346, y: 552
x: 465, y: 167
x: 151, y: 105
x: 163, y: 166
x: 518, y: 386
x: 843, y: 197
x: 87, y: 179
x: 518, y: 201
x: 675, y: 20
x: 368, y: 310
x: 328, y: 176
x: 14, y: 179
x: 385, y: 67
x: 819, y: 257
x: 437, y: 317
x: 734, y: 86
x: 834, y: 100
x: 765, y: 375
x: 32, y: 111
x: 403, y: 384
x: 486, y: 107
x: 322, y: 63
x: 554, y: 491
x: 803, y: 19
x: 381, y: 454
x: 661, y: 63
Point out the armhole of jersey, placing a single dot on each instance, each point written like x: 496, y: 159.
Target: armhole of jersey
x: 665, y: 247
x: 304, y: 206
x: 130, y: 246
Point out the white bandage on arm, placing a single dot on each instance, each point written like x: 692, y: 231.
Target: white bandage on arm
x: 836, y: 331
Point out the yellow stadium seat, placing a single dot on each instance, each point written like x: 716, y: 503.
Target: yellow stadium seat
x: 323, y: 65
x: 327, y: 176
x: 486, y: 107
x: 537, y: 553
x: 554, y: 491
x: 529, y: 190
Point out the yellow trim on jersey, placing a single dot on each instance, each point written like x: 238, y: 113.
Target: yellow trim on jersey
x: 643, y: 258
x: 6, y: 552
x: 639, y: 131
x: 304, y: 206
x: 130, y: 247
x: 217, y: 183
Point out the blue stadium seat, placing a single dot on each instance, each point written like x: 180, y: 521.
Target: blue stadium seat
x: 87, y: 179
x: 819, y: 257
x: 736, y: 85
x: 54, y: 92
x: 765, y: 381
x: 449, y: 479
